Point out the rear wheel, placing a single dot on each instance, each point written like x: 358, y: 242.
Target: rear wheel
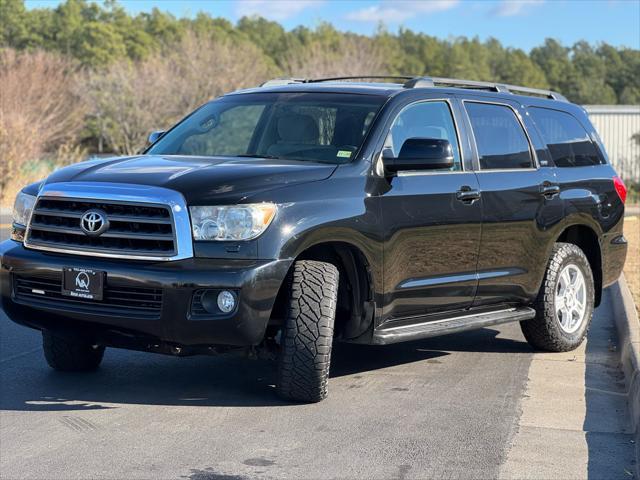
x: 67, y: 355
x: 307, y: 334
x: 564, y: 306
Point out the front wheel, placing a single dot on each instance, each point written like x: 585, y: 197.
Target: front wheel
x: 564, y: 306
x: 307, y: 334
x: 69, y: 355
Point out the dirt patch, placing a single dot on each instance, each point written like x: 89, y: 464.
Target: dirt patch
x: 632, y: 265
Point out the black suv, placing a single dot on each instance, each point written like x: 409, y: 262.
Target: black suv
x: 282, y: 218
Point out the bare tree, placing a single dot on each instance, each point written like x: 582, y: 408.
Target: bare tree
x: 351, y: 56
x: 39, y: 111
x: 129, y: 100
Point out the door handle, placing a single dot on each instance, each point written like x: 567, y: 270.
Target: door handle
x: 549, y: 190
x: 467, y: 195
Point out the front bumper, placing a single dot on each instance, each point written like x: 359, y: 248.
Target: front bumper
x: 256, y: 282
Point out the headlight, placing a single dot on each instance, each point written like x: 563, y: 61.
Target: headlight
x: 22, y: 208
x: 237, y: 222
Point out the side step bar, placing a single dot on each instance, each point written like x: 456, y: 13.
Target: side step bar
x: 403, y: 333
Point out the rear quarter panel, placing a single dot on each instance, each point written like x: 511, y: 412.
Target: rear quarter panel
x: 590, y: 199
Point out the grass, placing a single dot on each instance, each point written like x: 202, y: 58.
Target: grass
x: 632, y: 265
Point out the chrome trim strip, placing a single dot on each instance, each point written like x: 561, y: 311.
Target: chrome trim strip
x: 128, y: 193
x: 508, y: 170
x: 421, y: 173
x: 430, y: 281
x: 457, y: 278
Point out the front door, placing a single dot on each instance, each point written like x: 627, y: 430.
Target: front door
x: 431, y: 220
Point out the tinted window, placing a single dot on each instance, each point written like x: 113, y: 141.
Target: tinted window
x: 424, y: 120
x: 567, y: 141
x: 296, y: 126
x: 231, y: 136
x: 500, y: 139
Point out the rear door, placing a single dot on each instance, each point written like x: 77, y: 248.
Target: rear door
x: 431, y: 219
x: 520, y: 200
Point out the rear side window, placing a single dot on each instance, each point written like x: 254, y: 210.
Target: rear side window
x: 567, y: 140
x: 501, y: 141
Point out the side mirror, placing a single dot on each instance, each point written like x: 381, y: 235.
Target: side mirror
x: 154, y: 136
x: 421, y: 154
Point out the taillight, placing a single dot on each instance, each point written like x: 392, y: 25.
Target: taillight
x: 621, y: 189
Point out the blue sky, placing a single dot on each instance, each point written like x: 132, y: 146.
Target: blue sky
x: 516, y: 23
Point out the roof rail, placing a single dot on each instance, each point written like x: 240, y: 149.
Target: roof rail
x: 430, y: 82
x: 358, y: 77
x: 282, y: 81
x: 287, y: 81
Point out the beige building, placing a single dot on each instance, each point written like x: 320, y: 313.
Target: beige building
x: 617, y: 125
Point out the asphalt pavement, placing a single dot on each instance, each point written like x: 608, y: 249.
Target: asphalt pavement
x: 473, y: 405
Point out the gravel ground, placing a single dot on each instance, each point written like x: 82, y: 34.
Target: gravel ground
x: 632, y: 265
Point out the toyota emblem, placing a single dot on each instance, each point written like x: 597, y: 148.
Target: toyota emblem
x: 94, y: 223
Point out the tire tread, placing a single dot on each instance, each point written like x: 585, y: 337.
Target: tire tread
x: 303, y: 366
x: 543, y: 332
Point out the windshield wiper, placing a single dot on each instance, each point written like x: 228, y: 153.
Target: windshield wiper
x: 255, y: 155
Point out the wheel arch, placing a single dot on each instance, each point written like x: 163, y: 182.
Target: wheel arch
x: 586, y: 238
x: 356, y: 306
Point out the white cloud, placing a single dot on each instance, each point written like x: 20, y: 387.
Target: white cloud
x: 274, y: 9
x: 399, y: 11
x: 510, y: 8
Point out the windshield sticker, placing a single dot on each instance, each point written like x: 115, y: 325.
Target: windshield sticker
x: 344, y: 154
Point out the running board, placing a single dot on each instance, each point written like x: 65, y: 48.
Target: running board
x: 403, y: 333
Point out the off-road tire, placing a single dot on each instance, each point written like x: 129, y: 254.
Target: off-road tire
x: 544, y: 332
x: 68, y: 355
x: 307, y: 334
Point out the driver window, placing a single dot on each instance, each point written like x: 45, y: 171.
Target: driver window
x: 424, y: 120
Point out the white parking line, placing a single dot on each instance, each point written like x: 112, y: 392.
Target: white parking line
x: 18, y: 355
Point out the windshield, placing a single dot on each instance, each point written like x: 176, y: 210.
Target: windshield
x: 321, y: 127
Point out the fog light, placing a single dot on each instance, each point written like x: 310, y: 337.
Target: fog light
x: 226, y: 301
x: 212, y: 302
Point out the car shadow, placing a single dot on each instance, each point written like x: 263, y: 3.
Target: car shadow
x: 349, y: 359
x: 228, y: 380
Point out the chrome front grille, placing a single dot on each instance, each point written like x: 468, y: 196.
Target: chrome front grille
x: 142, y: 223
x: 133, y: 229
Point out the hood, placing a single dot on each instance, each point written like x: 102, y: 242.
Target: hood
x: 202, y: 180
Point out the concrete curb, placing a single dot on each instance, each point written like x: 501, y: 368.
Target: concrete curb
x: 626, y: 320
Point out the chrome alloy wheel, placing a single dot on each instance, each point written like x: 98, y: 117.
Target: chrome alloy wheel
x: 571, y: 298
